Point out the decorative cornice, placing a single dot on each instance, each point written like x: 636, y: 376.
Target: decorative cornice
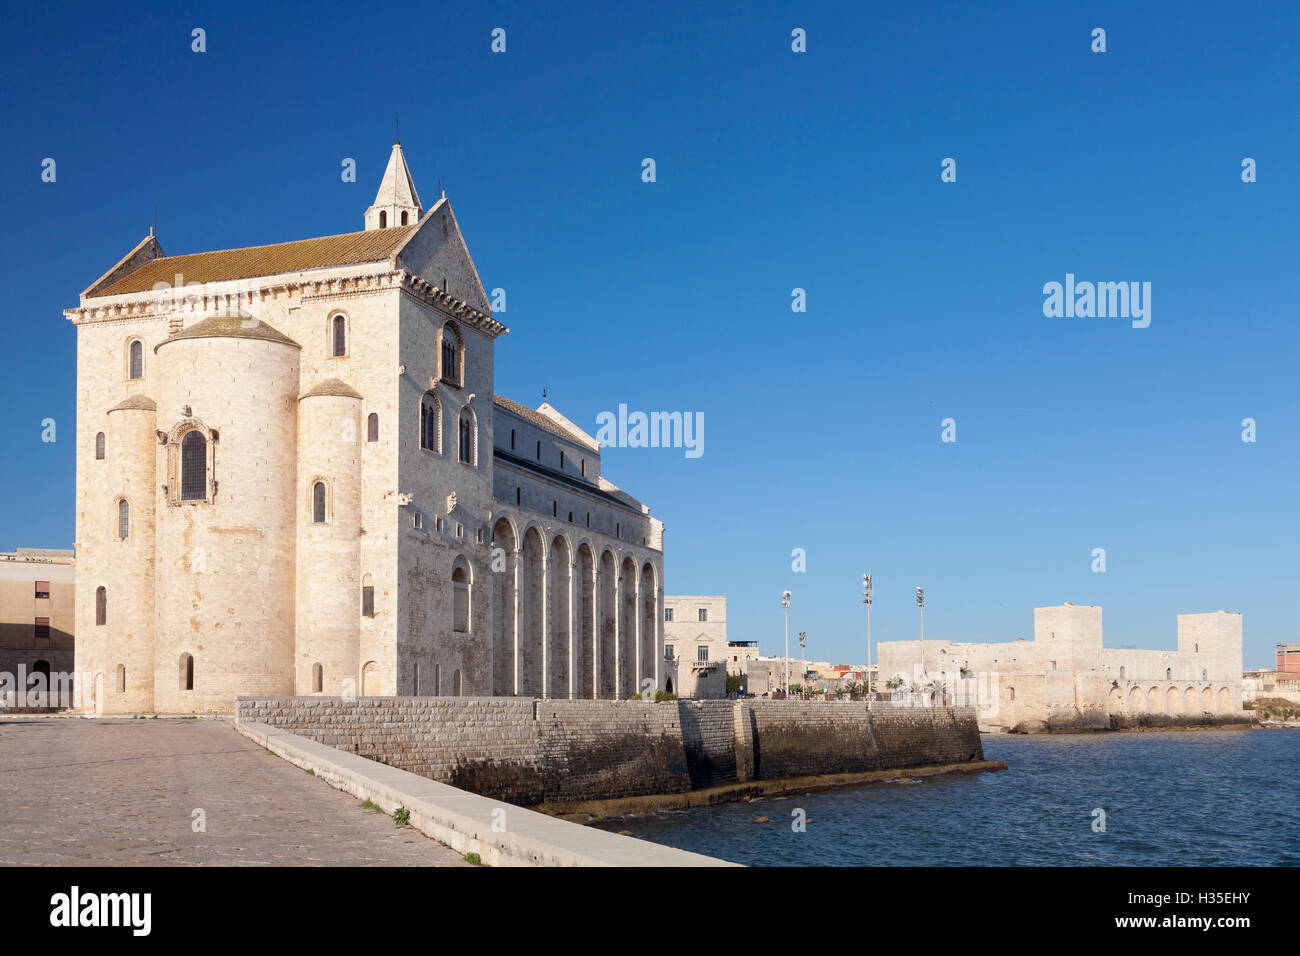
x: 426, y: 292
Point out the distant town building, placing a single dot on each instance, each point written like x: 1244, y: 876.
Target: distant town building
x: 696, y: 650
x: 1064, y: 673
x: 1282, y: 685
x: 1288, y: 658
x: 36, y: 624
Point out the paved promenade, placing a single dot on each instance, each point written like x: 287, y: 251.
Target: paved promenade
x: 123, y: 792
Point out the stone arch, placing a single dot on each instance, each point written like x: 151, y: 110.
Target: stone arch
x: 1155, y: 703
x: 584, y: 620
x: 627, y: 627
x: 431, y: 422
x: 559, y: 600
x: 1225, y: 701
x: 504, y: 567
x: 649, y: 626
x: 1207, y: 700
x: 1173, y: 703
x: 532, y: 613
x: 607, y: 651
x: 1115, y: 701
x: 1189, y: 701
x: 1135, y: 700
x: 370, y: 679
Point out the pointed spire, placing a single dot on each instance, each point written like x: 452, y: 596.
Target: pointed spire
x: 396, y: 196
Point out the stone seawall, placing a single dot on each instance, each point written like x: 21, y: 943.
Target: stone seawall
x: 529, y: 752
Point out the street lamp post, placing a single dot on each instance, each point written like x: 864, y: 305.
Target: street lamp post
x: 920, y: 602
x: 803, y: 667
x: 866, y: 599
x: 785, y: 603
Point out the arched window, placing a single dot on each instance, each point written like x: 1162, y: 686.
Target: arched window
x: 99, y: 446
x: 455, y: 684
x: 121, y: 678
x: 135, y: 361
x: 1121, y: 674
x: 123, y: 518
x: 451, y: 353
x: 467, y: 437
x: 187, y: 671
x: 1169, y: 673
x: 430, y: 422
x: 194, y: 466
x: 372, y: 427
x: 383, y: 219
x: 1013, y: 693
x: 318, y: 503
x: 339, y: 336
x: 367, y: 596
x: 403, y: 217
x: 460, y: 585
x: 101, y: 605
x: 317, y: 678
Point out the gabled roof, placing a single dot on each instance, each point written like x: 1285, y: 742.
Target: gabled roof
x: 253, y: 262
x: 543, y: 421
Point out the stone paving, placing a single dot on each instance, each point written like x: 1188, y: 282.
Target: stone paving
x: 113, y: 792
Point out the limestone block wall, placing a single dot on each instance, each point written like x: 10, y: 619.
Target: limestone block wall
x: 557, y: 751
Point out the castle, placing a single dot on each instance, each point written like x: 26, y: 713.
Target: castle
x: 1065, y: 677
x: 294, y: 476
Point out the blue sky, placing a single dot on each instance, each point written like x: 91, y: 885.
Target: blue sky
x: 775, y: 170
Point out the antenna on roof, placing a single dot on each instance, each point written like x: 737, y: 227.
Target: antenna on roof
x: 544, y: 388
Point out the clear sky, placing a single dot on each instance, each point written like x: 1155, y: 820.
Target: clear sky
x: 775, y: 170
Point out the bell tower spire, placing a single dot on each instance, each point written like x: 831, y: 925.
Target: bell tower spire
x: 397, y: 203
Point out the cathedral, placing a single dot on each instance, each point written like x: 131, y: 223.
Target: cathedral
x: 294, y: 476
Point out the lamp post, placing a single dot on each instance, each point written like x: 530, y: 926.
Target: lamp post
x: 785, y: 603
x: 866, y: 599
x: 920, y: 602
x: 803, y: 668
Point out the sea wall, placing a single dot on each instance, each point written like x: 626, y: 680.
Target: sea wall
x: 560, y: 751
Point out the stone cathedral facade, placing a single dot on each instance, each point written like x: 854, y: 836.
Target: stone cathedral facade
x: 294, y: 476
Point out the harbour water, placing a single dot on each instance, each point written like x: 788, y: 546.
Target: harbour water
x: 1181, y: 798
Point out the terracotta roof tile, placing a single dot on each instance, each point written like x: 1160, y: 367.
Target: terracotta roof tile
x: 372, y: 245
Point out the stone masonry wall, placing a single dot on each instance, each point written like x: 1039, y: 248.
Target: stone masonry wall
x: 556, y: 751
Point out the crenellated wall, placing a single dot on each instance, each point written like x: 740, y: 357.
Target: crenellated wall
x: 559, y: 751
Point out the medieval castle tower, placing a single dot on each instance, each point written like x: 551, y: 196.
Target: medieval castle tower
x: 294, y: 477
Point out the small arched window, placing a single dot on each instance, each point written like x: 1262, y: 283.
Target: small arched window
x: 467, y: 437
x: 121, y: 678
x: 460, y: 596
x: 451, y: 353
x: 317, y: 678
x: 318, y: 503
x: 383, y: 219
x: 430, y: 422
x: 1169, y: 673
x: 187, y: 671
x: 339, y: 335
x: 403, y: 217
x: 101, y: 605
x: 135, y: 361
x: 1012, y: 693
x: 123, y: 518
x: 99, y: 447
x: 455, y: 684
x: 1121, y: 674
x: 194, y: 466
x: 372, y: 427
